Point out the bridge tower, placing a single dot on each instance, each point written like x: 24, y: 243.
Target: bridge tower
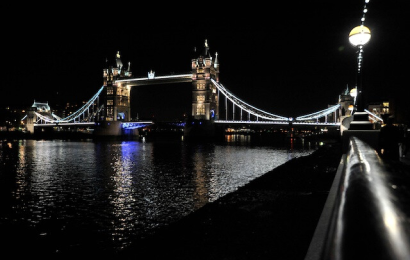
x: 41, y: 108
x: 205, y: 103
x: 117, y: 100
x: 346, y: 102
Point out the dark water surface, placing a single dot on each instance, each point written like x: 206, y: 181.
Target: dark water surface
x: 59, y: 195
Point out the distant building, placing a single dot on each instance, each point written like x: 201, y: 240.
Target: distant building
x: 381, y: 109
x: 11, y: 118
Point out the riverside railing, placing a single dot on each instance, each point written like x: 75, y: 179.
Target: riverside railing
x: 366, y: 215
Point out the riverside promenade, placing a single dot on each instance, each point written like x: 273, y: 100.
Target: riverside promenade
x: 272, y: 217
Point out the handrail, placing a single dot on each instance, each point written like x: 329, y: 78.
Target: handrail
x: 367, y: 218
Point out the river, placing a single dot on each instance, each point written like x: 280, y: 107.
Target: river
x: 104, y: 194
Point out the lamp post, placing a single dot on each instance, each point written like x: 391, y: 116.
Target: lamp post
x: 358, y: 37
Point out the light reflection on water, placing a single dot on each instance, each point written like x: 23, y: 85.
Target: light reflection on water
x: 118, y: 191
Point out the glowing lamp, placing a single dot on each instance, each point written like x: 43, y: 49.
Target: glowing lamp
x: 353, y: 92
x: 359, y: 36
x: 351, y: 107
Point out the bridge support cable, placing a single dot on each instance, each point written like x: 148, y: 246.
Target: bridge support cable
x: 233, y: 111
x: 95, y: 113
x: 42, y: 119
x: 226, y: 108
x: 245, y: 106
x: 319, y: 114
x: 76, y: 116
x: 55, y: 116
x: 78, y: 113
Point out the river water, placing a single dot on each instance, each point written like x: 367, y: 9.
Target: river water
x: 104, y: 194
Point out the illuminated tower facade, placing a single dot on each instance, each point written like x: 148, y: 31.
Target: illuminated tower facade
x: 117, y: 101
x: 346, y: 102
x: 205, y: 104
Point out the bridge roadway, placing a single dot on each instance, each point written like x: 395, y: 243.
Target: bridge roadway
x: 65, y: 124
x: 141, y: 124
x: 334, y: 124
x: 277, y: 123
x: 180, y: 78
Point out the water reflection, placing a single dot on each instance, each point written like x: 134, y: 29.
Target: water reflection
x: 123, y: 198
x: 201, y: 179
x: 109, y: 193
x: 236, y: 138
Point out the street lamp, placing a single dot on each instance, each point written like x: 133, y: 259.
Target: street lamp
x: 358, y: 37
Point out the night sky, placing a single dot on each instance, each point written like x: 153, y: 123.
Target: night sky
x: 290, y: 59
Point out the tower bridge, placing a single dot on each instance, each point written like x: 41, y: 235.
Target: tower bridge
x: 109, y: 110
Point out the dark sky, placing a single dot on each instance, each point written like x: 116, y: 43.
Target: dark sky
x: 291, y: 58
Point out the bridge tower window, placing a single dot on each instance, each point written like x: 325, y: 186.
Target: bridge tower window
x: 110, y: 113
x: 200, y: 98
x: 201, y: 86
x: 200, y: 109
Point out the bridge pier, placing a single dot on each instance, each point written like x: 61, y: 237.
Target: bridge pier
x: 113, y: 129
x: 200, y: 130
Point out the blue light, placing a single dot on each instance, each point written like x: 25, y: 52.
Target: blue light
x: 212, y: 113
x: 133, y: 125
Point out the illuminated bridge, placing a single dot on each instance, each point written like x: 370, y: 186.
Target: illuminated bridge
x: 212, y: 102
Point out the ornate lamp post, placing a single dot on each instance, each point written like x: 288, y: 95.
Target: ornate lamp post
x: 358, y: 37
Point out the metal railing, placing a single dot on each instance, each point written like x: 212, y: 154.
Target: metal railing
x: 365, y: 213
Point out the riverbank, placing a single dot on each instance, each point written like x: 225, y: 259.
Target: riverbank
x: 272, y: 217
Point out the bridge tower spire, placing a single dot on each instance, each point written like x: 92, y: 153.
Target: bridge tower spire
x: 205, y: 105
x: 117, y: 98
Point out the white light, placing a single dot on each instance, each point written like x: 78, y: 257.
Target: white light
x: 359, y: 35
x: 353, y: 92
